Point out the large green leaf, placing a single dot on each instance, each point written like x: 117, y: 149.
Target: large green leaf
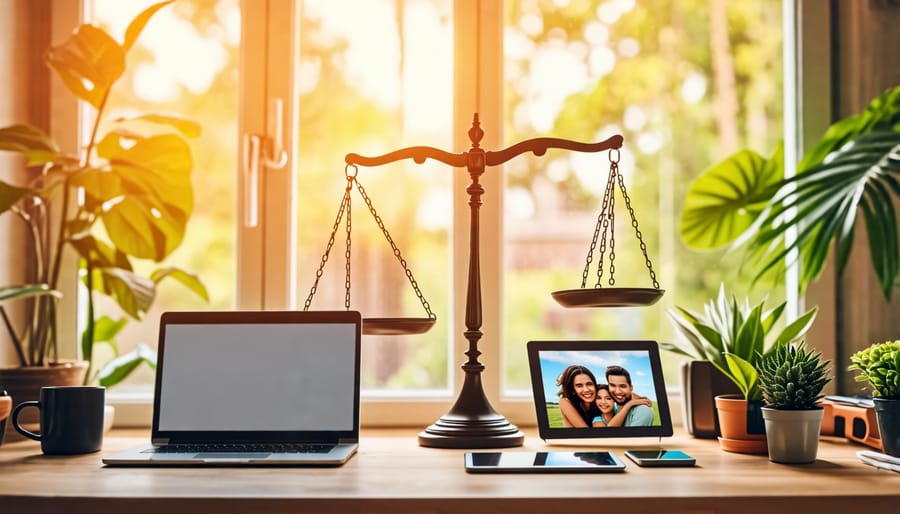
x: 30, y: 141
x: 106, y: 328
x: 98, y: 254
x: 89, y: 62
x: 133, y: 293
x: 150, y: 183
x: 188, y: 128
x: 10, y: 195
x: 822, y: 204
x: 854, y: 168
x: 187, y: 279
x: 882, y: 112
x: 725, y: 200
x: 139, y: 22
x: 119, y: 368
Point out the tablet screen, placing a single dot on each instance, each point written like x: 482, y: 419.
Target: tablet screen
x: 542, y: 462
x: 598, y: 389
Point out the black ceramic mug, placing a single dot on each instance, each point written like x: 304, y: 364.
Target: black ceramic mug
x: 71, y: 419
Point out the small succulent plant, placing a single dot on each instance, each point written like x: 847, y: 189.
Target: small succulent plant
x: 792, y: 377
x: 879, y: 365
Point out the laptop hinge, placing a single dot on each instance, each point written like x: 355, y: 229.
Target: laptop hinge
x: 347, y: 440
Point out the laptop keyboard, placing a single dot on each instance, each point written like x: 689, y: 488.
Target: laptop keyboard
x: 243, y: 448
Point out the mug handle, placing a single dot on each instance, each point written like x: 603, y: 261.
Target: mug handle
x: 15, y: 419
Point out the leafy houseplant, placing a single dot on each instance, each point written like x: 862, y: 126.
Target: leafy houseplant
x: 732, y: 336
x: 745, y: 201
x: 879, y: 365
x: 134, y: 181
x: 791, y: 378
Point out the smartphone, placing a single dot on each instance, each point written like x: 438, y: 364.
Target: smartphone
x: 542, y: 462
x: 660, y: 458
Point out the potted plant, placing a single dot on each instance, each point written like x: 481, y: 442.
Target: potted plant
x: 732, y: 336
x: 134, y: 181
x: 791, y: 378
x: 745, y: 201
x: 879, y: 365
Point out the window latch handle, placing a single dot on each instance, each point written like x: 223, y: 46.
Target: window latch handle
x: 275, y: 156
x: 250, y: 175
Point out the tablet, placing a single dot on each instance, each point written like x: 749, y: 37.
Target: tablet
x: 543, y: 462
x: 596, y: 380
x: 660, y: 458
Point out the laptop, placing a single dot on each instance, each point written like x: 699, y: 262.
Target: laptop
x: 238, y: 388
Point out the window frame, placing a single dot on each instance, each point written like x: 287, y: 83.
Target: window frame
x: 266, y: 264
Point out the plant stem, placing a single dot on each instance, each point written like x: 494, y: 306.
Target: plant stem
x: 17, y: 343
x: 87, y: 342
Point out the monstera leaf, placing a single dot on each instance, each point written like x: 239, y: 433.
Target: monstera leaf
x: 727, y: 198
x: 744, y: 201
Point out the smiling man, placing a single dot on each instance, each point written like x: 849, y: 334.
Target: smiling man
x: 623, y: 392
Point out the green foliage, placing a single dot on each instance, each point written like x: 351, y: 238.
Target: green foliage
x: 136, y: 184
x: 854, y: 168
x: 879, y: 365
x: 732, y: 337
x: 791, y: 377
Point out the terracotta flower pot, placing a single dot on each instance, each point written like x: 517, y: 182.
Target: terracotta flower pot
x: 25, y: 383
x: 741, y: 424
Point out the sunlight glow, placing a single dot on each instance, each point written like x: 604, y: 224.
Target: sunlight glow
x: 182, y: 56
x: 555, y: 74
x: 693, y: 89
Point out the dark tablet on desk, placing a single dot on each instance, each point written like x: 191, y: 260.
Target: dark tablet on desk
x: 598, y: 365
x: 543, y: 462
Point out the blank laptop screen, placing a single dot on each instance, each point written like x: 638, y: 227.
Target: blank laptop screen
x: 258, y: 377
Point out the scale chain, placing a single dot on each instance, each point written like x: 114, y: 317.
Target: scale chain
x: 607, y: 214
x: 390, y: 240
x: 606, y: 221
x: 637, y: 232
x: 345, y: 201
x: 612, y: 225
x: 347, y: 251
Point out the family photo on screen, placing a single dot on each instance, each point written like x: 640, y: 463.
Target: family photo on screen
x: 605, y: 389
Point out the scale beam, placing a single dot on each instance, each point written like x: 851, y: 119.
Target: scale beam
x: 472, y: 422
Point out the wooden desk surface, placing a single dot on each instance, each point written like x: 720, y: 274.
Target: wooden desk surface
x: 392, y: 474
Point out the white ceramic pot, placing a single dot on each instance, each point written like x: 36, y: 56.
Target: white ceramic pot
x: 109, y: 414
x: 792, y: 436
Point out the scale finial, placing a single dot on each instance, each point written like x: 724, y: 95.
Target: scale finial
x: 475, y: 133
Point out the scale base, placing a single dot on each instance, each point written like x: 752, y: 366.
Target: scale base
x: 461, y: 431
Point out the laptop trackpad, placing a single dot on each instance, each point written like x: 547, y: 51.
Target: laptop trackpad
x: 232, y: 455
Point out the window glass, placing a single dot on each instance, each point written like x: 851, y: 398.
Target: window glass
x: 686, y: 83
x: 185, y: 62
x: 371, y: 83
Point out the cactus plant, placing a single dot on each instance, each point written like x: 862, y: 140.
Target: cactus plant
x: 879, y: 365
x: 791, y: 377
